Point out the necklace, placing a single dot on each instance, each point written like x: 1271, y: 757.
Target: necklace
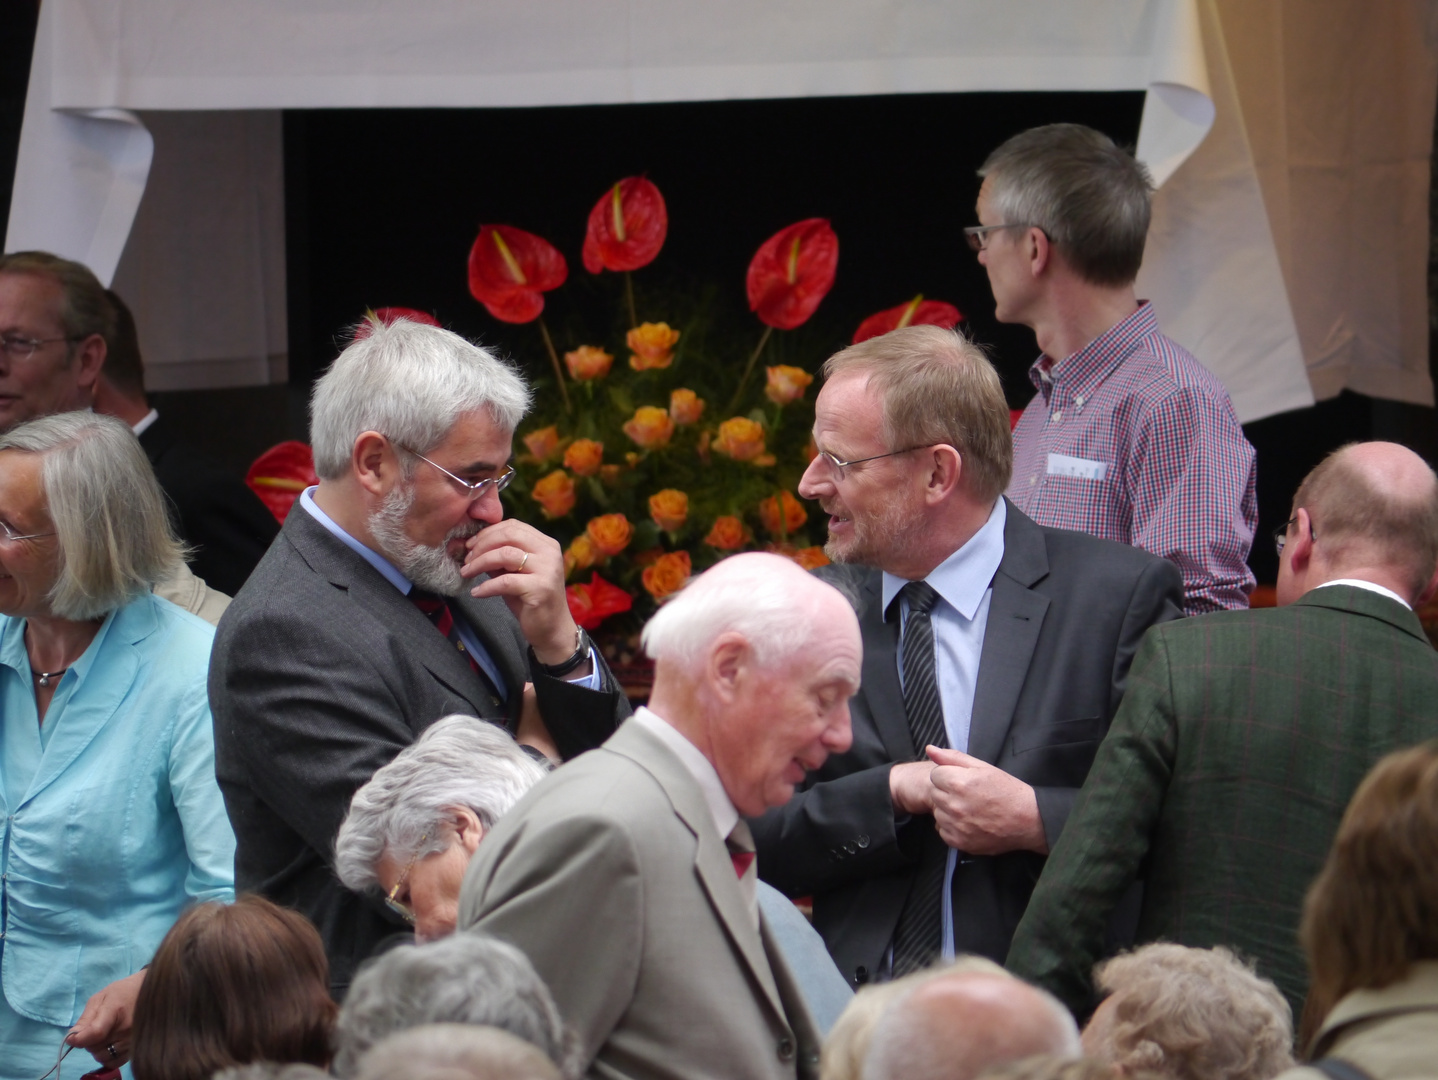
x: 46, y: 676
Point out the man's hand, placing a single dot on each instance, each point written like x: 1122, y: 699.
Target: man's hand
x: 531, y: 730
x: 106, y: 1021
x: 982, y: 810
x: 909, y: 787
x: 526, y: 567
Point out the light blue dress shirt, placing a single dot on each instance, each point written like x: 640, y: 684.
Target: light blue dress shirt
x: 111, y: 820
x: 391, y: 574
x: 964, y: 582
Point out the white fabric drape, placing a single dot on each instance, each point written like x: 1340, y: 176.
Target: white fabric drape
x: 1213, y: 270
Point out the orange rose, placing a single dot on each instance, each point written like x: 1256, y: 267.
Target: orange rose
x: 609, y: 475
x: 669, y: 508
x: 650, y: 427
x: 811, y: 558
x: 728, y: 534
x: 685, y: 407
x: 555, y: 493
x: 652, y: 345
x: 668, y: 574
x: 741, y: 439
x: 786, y: 384
x: 580, y: 555
x: 583, y: 457
x: 610, y: 533
x: 588, y: 362
x: 543, y: 443
x: 794, y: 514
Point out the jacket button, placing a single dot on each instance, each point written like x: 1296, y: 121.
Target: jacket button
x: 850, y: 848
x: 862, y: 840
x: 861, y: 975
x: 811, y: 1060
x: 786, y: 1050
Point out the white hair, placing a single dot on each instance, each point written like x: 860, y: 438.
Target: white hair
x: 459, y: 761
x: 410, y: 382
x: 1003, y: 1020
x: 767, y: 598
x: 466, y: 978
x: 456, y: 1052
x: 111, y: 526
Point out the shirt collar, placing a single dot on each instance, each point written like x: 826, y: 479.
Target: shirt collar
x: 386, y: 568
x: 721, y: 809
x: 1092, y: 363
x: 1359, y: 583
x: 963, y: 578
x: 142, y: 425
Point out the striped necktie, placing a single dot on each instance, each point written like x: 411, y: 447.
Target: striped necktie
x: 919, y: 935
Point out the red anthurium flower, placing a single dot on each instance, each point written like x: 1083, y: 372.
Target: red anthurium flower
x: 791, y: 272
x: 917, y: 312
x: 510, y: 270
x: 388, y: 315
x: 590, y: 605
x: 626, y: 227
x: 280, y: 474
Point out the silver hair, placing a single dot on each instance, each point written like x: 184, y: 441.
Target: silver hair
x: 111, y: 526
x: 270, y: 1070
x: 923, y: 1043
x: 1088, y: 195
x: 466, y: 978
x: 458, y: 762
x: 753, y: 594
x: 410, y: 382
x: 456, y: 1052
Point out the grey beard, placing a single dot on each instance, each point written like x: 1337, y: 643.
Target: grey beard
x: 430, y: 568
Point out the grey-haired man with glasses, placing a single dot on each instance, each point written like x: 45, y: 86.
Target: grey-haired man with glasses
x: 396, y: 593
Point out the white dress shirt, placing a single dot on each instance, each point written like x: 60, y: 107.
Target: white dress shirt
x: 140, y: 426
x: 964, y: 582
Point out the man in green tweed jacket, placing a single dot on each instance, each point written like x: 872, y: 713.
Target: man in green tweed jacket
x: 1244, y: 733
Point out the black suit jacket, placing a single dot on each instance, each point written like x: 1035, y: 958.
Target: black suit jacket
x: 1065, y: 618
x: 322, y: 671
x: 214, y: 512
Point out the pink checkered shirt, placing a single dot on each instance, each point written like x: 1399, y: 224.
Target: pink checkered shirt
x: 1133, y: 440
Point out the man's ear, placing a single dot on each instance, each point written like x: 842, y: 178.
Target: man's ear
x: 1039, y: 250
x: 374, y: 462
x: 945, y: 471
x: 1299, y: 547
x: 89, y: 359
x: 468, y: 829
x: 728, y: 658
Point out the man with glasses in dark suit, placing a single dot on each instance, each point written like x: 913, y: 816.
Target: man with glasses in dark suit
x: 1245, y: 733
x: 995, y: 654
x: 395, y: 594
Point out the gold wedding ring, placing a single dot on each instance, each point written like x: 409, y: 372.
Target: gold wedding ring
x: 522, y: 561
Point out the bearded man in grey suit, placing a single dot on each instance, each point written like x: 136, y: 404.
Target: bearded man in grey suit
x: 395, y: 594
x: 995, y: 655
x: 628, y: 876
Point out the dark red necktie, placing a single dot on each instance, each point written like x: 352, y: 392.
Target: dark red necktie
x: 742, y: 860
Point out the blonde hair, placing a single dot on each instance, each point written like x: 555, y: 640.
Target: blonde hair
x: 935, y: 386
x: 109, y: 514
x: 1192, y: 1014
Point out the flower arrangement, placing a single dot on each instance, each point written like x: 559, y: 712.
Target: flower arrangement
x: 657, y: 453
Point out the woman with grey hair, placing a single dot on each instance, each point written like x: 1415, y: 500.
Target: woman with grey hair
x: 411, y: 830
x: 110, y: 817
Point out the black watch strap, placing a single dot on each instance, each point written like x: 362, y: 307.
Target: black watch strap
x: 564, y: 667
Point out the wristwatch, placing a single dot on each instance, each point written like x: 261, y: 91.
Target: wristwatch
x: 582, y: 647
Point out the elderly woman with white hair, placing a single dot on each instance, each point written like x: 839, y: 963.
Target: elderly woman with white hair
x: 411, y: 830
x: 110, y: 817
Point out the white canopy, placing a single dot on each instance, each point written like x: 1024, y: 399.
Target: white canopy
x: 212, y: 311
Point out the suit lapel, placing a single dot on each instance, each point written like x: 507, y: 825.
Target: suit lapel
x: 712, y: 864
x: 100, y: 687
x: 329, y: 557
x: 483, y: 617
x: 1016, y: 615
x: 880, y: 683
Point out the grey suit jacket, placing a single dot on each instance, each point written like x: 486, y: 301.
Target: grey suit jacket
x: 321, y: 673
x: 611, y: 877
x: 1065, y: 618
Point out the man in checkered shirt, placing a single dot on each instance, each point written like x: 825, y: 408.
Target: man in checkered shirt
x: 1129, y: 437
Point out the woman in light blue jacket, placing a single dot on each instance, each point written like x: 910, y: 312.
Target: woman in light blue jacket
x: 112, y: 820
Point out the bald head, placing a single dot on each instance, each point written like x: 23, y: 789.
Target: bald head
x: 953, y: 1027
x: 1372, y: 511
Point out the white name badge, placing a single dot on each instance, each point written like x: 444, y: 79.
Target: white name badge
x: 1077, y: 467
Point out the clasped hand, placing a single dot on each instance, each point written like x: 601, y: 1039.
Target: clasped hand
x: 978, y: 808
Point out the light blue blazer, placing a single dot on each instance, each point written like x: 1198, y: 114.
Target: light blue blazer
x: 123, y: 824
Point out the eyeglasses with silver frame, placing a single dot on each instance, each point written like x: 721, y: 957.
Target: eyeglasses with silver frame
x: 475, y: 489
x: 10, y: 536
x: 977, y: 235
x: 839, y: 466
x: 18, y: 347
